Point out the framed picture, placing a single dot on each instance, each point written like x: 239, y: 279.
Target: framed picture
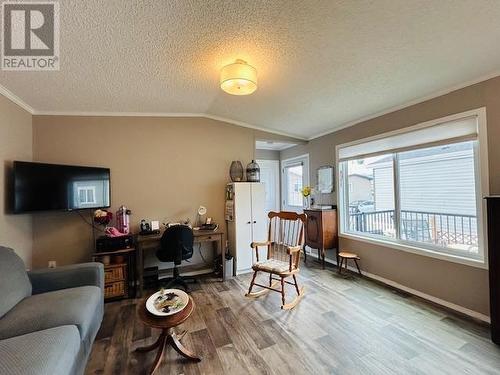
x: 326, y: 179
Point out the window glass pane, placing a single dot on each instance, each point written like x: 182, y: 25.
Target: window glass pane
x: 438, y: 197
x: 82, y: 196
x: 293, y: 176
x: 90, y: 196
x: 371, y: 195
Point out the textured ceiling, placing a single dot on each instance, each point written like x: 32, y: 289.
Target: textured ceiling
x: 321, y: 64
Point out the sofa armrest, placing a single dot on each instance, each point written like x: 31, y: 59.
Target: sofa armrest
x: 83, y: 274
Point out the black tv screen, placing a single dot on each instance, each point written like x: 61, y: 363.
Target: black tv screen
x: 44, y: 187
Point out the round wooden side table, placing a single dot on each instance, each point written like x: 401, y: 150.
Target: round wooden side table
x: 167, y: 335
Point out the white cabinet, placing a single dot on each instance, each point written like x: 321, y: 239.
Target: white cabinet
x: 247, y: 223
x: 259, y: 217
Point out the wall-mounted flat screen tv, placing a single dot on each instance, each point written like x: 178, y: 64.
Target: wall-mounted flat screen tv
x: 44, y: 187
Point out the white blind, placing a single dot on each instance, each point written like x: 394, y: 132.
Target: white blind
x: 447, y: 132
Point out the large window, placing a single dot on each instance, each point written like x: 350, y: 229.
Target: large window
x: 421, y: 189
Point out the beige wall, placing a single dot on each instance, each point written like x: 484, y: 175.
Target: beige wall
x: 459, y: 284
x: 267, y: 155
x: 15, y: 144
x: 162, y: 168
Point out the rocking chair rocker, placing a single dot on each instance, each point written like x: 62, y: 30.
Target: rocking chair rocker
x: 285, y: 241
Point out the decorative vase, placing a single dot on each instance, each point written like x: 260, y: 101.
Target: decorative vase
x: 236, y: 171
x: 253, y: 172
x: 307, y: 202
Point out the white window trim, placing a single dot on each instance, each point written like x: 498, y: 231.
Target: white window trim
x: 290, y: 162
x: 86, y: 188
x: 482, y: 187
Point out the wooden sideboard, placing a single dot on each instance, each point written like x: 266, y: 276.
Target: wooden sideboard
x: 321, y: 232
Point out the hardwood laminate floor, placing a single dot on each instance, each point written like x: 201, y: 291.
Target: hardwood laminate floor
x: 343, y: 325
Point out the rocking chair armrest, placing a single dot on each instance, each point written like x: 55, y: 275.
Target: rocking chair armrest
x: 255, y: 245
x: 293, y: 249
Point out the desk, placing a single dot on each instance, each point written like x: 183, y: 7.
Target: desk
x: 152, y: 242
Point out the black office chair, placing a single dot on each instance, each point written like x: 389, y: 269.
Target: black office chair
x: 176, y: 245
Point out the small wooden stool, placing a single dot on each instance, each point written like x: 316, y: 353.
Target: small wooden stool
x: 344, y: 256
x: 167, y: 336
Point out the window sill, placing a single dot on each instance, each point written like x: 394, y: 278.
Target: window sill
x: 418, y: 250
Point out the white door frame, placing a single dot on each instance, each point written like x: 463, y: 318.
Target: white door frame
x: 274, y: 164
x: 305, y: 179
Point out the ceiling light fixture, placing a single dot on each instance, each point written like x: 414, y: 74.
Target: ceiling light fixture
x: 238, y: 78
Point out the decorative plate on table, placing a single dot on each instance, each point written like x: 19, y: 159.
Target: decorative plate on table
x: 167, y: 302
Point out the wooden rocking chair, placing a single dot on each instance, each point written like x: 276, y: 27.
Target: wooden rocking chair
x: 285, y: 241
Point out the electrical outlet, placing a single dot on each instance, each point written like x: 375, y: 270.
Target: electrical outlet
x: 52, y: 264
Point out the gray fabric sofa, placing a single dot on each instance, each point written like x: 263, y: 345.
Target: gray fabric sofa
x: 48, y: 318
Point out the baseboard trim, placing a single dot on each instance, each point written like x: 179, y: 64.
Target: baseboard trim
x: 428, y: 297
x: 417, y: 293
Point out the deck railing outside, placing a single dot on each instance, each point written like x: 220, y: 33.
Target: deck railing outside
x: 441, y: 229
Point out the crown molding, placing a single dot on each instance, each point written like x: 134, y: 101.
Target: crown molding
x: 115, y: 114
x: 255, y: 127
x: 16, y: 99
x: 167, y: 114
x: 422, y: 99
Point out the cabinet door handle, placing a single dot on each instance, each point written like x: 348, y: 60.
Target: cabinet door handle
x: 249, y: 222
x: 254, y: 222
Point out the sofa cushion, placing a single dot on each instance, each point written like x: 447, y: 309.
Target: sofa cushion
x: 53, y: 351
x: 14, y: 282
x: 82, y: 306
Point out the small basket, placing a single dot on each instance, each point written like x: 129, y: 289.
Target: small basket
x: 114, y: 273
x: 114, y: 290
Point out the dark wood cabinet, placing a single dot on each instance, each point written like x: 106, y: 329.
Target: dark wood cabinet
x: 321, y: 232
x: 119, y: 273
x: 494, y: 265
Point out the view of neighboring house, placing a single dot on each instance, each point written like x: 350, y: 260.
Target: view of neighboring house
x: 428, y: 183
x: 360, y: 187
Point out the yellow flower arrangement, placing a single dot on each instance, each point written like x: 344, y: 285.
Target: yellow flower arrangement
x: 306, y: 191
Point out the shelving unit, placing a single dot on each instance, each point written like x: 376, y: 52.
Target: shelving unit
x: 119, y: 274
